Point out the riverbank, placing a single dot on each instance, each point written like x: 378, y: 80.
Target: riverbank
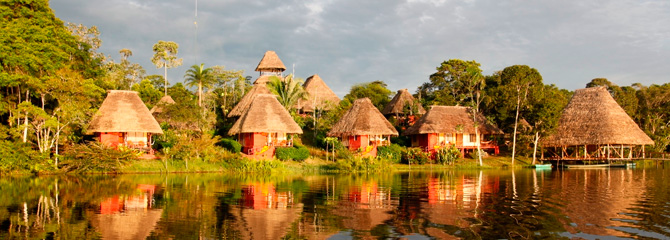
x: 309, y: 165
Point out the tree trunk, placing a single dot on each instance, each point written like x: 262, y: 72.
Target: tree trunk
x: 537, y: 138
x: 165, y: 79
x: 516, y: 123
x: 200, y: 93
x: 25, y: 123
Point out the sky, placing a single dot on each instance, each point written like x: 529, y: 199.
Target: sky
x: 400, y: 42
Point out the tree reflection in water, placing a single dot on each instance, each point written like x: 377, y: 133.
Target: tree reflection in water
x: 452, y: 204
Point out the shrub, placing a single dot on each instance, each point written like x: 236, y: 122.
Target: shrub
x: 404, y: 141
x: 231, y: 145
x: 96, y: 156
x: 18, y: 157
x: 300, y: 153
x: 393, y: 152
x: 415, y: 156
x: 284, y: 153
x: 360, y: 164
x: 447, y: 155
x: 297, y: 153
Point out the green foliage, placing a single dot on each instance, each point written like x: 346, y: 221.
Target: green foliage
x: 20, y: 157
x: 255, y: 166
x: 415, y: 156
x: 166, y: 140
x: 448, y: 155
x: 376, y: 91
x: 288, y: 90
x: 404, y: 141
x: 449, y: 85
x: 165, y: 56
x: 199, y: 76
x: 147, y: 92
x: 392, y: 152
x: 97, y: 157
x: 297, y: 153
x: 230, y: 145
x: 360, y: 164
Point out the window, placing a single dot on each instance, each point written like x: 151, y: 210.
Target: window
x: 473, y: 138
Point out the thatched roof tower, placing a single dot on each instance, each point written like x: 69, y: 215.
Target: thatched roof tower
x: 362, y: 118
x: 247, y: 99
x: 265, y: 114
x: 270, y: 63
x: 593, y: 117
x: 400, y: 100
x: 165, y: 100
x: 319, y: 95
x: 123, y: 111
x: 448, y: 119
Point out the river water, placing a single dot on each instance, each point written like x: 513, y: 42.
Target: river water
x: 487, y: 204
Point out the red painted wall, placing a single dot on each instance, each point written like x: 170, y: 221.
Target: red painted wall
x: 253, y: 141
x: 358, y: 142
x: 110, y: 138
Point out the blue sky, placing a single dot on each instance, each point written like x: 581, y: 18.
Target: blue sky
x: 399, y: 42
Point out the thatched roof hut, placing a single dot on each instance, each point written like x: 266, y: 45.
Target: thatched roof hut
x: 319, y: 95
x: 165, y: 100
x: 270, y: 63
x: 262, y: 80
x: 447, y: 119
x: 593, y: 117
x: 265, y: 114
x: 123, y: 111
x: 247, y: 99
x: 400, y: 100
x: 362, y: 118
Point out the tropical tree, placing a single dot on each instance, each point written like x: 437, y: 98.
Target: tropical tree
x: 473, y: 83
x: 200, y: 76
x: 165, y: 56
x: 521, y: 80
x: 376, y: 91
x: 288, y: 91
x: 446, y: 85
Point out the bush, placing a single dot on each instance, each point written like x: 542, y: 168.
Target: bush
x: 393, y: 152
x: 19, y: 157
x: 359, y: 164
x: 297, y: 153
x: 231, y: 145
x: 415, y: 156
x: 404, y: 141
x: 96, y: 156
x: 447, y: 155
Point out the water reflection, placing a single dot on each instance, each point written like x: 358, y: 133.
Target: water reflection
x: 588, y: 204
x: 129, y: 216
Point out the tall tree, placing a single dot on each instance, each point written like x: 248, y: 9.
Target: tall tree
x: 473, y: 83
x: 446, y: 85
x: 521, y: 80
x: 288, y: 91
x: 200, y: 76
x: 165, y: 56
x: 376, y: 91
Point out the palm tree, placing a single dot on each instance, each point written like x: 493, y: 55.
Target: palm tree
x: 288, y: 91
x: 200, y: 76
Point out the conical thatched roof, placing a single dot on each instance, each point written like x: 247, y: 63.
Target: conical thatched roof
x: 123, y: 111
x: 362, y: 118
x: 165, y: 100
x: 398, y: 103
x: 265, y: 114
x: 593, y: 117
x: 319, y: 95
x: 262, y: 80
x: 270, y: 63
x: 450, y: 119
x: 247, y: 99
